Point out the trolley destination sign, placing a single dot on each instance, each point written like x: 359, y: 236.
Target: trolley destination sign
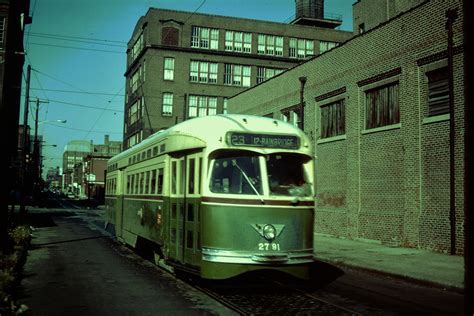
x: 263, y: 140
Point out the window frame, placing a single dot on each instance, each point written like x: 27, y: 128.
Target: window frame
x: 201, y: 105
x: 339, y: 108
x: 198, y: 74
x: 237, y: 75
x: 298, y: 48
x: 168, y: 69
x: 271, y: 45
x: 437, y: 102
x: 167, y: 108
x: 204, y: 37
x: 238, y: 41
x: 378, y: 87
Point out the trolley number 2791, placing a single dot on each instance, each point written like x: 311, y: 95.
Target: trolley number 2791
x: 266, y: 246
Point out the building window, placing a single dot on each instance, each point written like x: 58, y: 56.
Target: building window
x: 167, y: 109
x: 203, y: 71
x: 168, y: 72
x: 438, y: 92
x: 202, y: 105
x: 301, y: 48
x: 224, y: 106
x: 135, y: 139
x: 382, y: 106
x: 264, y: 73
x: 237, y: 75
x: 333, y: 119
x: 291, y: 116
x: 2, y: 29
x: 206, y: 38
x: 170, y: 36
x: 325, y: 46
x: 238, y: 41
x: 137, y: 47
x: 135, y: 80
x: 270, y: 45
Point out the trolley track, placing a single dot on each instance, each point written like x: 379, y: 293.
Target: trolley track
x: 268, y: 296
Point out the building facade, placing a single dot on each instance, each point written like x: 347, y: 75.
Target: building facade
x: 381, y: 125
x: 183, y: 64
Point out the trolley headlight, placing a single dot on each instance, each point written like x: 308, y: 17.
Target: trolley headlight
x: 269, y: 232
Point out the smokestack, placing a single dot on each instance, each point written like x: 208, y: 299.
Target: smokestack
x: 310, y: 9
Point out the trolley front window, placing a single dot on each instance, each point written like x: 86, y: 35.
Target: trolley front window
x: 236, y: 175
x: 286, y: 175
x: 281, y: 174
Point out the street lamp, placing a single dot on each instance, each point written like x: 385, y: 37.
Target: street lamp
x: 52, y: 121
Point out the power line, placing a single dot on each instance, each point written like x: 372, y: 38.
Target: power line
x: 77, y: 37
x: 52, y: 37
x: 79, y: 48
x: 79, y: 92
x: 84, y: 130
x: 85, y: 106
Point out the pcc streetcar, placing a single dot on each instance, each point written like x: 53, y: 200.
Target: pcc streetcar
x: 218, y: 196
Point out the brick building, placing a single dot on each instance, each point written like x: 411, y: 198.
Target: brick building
x: 185, y: 64
x: 381, y: 127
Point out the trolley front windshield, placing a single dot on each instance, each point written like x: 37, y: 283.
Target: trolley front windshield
x: 282, y: 174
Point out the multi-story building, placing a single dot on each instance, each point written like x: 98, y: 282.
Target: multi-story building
x: 182, y: 65
x: 384, y: 126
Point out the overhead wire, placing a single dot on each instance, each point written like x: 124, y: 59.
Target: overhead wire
x: 79, y: 48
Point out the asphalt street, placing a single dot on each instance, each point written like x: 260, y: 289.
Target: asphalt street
x: 74, y: 267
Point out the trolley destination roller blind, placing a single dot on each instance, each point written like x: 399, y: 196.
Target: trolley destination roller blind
x: 263, y: 140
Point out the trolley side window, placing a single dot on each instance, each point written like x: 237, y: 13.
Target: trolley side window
x: 153, y: 182
x: 236, y: 175
x: 160, y: 180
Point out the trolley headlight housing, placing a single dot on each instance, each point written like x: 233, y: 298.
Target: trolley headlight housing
x: 269, y: 232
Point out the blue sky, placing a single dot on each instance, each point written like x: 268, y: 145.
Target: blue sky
x: 76, y: 49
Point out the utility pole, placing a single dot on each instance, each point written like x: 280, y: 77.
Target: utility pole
x: 36, y: 153
x: 25, y: 150
x: 451, y: 16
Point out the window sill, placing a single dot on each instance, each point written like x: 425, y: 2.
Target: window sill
x: 382, y: 129
x: 436, y: 119
x: 331, y: 139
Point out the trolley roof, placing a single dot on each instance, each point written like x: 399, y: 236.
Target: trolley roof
x: 211, y: 132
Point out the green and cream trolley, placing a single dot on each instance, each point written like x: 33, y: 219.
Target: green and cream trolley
x: 218, y: 195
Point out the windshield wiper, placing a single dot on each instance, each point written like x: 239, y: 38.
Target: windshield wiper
x: 234, y: 163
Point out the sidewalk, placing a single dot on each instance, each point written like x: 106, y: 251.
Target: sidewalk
x: 420, y: 265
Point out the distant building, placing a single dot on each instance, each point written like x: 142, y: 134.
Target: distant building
x: 53, y: 179
x: 84, y: 164
x: 73, y: 154
x: 380, y: 124
x: 182, y: 65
